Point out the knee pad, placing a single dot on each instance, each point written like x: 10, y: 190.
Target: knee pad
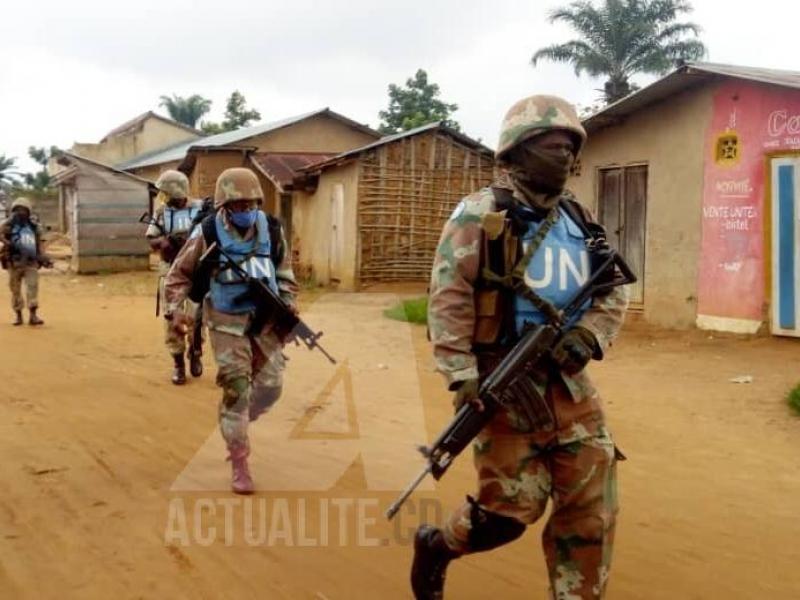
x: 490, y: 530
x: 262, y: 400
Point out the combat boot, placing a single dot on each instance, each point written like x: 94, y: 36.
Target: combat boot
x: 431, y: 557
x: 195, y: 363
x: 34, y: 319
x: 241, y: 481
x: 179, y: 372
x: 18, y: 321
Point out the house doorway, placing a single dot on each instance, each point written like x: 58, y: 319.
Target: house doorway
x: 785, y: 174
x: 337, y: 239
x: 622, y: 208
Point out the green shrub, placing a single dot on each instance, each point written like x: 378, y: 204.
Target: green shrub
x: 793, y: 398
x: 410, y: 311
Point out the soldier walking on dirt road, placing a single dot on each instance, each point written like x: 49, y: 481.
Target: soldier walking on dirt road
x: 22, y: 256
x: 167, y: 233
x: 509, y: 257
x: 250, y: 363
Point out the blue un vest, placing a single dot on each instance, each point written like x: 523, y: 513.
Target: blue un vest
x: 557, y: 270
x: 179, y: 220
x: 252, y: 255
x: 23, y: 238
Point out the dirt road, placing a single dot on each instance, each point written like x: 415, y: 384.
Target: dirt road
x: 112, y: 481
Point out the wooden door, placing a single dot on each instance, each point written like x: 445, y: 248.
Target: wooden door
x: 622, y: 208
x: 337, y: 234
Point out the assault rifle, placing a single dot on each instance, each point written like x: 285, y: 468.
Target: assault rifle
x: 510, y: 383
x: 270, y: 307
x: 176, y: 242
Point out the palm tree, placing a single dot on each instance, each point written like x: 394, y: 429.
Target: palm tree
x: 8, y: 171
x: 186, y: 110
x: 624, y: 37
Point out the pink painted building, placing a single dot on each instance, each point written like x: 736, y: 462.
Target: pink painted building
x: 697, y: 178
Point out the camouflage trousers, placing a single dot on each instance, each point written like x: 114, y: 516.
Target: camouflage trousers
x: 250, y: 373
x: 175, y: 342
x: 575, y: 465
x: 30, y: 275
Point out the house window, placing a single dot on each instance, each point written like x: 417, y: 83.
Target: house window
x: 727, y: 149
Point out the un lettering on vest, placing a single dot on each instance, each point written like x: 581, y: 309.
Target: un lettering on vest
x: 257, y: 267
x: 27, y: 242
x: 570, y: 274
x: 180, y: 220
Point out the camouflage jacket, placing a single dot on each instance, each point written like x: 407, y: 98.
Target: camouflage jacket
x: 6, y: 244
x: 178, y: 283
x: 451, y: 311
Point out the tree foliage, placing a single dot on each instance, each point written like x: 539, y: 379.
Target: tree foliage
x: 40, y: 180
x: 8, y: 171
x: 237, y: 115
x: 623, y: 37
x: 187, y: 110
x: 414, y: 105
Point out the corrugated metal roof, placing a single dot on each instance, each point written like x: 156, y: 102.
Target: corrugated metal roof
x: 67, y: 159
x: 178, y: 151
x: 684, y: 78
x: 773, y: 76
x: 466, y: 140
x: 281, y: 168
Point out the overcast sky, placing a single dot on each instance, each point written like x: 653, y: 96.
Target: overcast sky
x: 74, y: 70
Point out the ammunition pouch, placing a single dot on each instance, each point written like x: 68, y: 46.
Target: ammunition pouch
x: 488, y: 316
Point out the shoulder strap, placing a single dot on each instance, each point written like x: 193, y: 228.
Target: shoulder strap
x: 515, y: 280
x: 277, y: 251
x: 576, y: 212
x: 209, y: 227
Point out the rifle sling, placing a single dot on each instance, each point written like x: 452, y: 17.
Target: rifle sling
x: 515, y: 280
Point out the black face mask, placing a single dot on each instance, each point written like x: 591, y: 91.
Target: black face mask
x: 19, y: 218
x: 544, y: 171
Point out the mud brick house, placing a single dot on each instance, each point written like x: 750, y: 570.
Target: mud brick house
x: 146, y: 133
x: 375, y: 213
x: 697, y: 179
x: 273, y: 150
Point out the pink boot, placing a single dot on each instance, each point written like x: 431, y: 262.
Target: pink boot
x: 241, y: 482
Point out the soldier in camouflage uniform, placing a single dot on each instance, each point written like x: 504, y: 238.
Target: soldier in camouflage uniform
x: 21, y: 254
x: 250, y: 364
x: 172, y: 223
x: 476, y: 313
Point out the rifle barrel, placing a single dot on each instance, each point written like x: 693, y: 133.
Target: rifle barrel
x: 392, y: 510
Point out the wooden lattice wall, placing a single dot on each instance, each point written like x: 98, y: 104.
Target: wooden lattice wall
x: 407, y: 190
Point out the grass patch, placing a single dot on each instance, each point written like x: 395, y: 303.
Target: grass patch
x: 793, y: 399
x: 409, y: 311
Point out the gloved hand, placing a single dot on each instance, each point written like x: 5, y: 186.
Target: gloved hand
x: 574, y: 350
x: 468, y: 392
x: 180, y: 322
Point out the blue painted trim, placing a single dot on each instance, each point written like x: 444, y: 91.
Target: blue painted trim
x: 787, y: 319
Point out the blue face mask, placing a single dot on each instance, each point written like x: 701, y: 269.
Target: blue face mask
x: 244, y: 219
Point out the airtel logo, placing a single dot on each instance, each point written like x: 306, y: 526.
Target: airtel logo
x: 782, y: 123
